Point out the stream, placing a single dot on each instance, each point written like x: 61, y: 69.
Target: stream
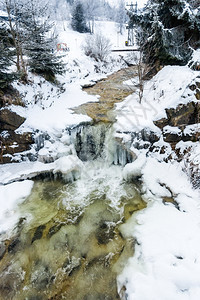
x: 68, y: 243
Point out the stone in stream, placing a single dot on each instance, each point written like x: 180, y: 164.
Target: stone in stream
x: 38, y: 233
x: 105, y: 232
x: 54, y: 229
x: 13, y: 245
x: 2, y: 250
x: 98, y: 296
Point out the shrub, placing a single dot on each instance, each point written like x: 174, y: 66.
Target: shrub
x: 97, y: 46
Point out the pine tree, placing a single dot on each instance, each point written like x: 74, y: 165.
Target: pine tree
x: 38, y: 46
x: 42, y: 60
x: 78, y: 18
x: 6, y: 58
x: 168, y: 31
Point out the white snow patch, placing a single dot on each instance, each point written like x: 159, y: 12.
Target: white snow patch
x: 134, y: 169
x: 10, y: 196
x: 167, y: 89
x: 167, y: 254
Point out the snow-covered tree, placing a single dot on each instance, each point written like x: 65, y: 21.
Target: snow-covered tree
x: 13, y: 8
x: 97, y: 46
x: 40, y: 42
x: 170, y: 30
x: 78, y: 22
x: 121, y: 16
x: 6, y: 57
x: 91, y: 9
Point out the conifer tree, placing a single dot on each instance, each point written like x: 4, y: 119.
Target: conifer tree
x: 169, y: 30
x: 39, y: 44
x: 6, y: 58
x: 78, y: 18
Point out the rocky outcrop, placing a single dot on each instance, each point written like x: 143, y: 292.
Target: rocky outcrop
x: 10, y: 120
x: 11, y: 142
x: 180, y: 123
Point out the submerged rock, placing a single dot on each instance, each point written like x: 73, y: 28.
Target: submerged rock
x: 2, y: 250
x: 38, y: 233
x: 105, y: 232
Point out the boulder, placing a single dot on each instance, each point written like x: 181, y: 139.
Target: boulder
x: 10, y: 120
x: 11, y: 143
x: 161, y: 123
x: 184, y: 114
x: 197, y: 95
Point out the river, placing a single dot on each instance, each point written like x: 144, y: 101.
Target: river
x: 68, y: 243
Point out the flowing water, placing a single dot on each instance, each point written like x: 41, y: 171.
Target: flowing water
x: 67, y: 243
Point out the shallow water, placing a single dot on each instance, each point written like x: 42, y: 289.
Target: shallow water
x: 67, y: 244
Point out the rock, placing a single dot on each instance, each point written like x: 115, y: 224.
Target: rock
x: 54, y: 229
x: 192, y: 87
x: 12, y: 143
x: 191, y: 133
x: 149, y: 136
x: 182, y: 115
x: 13, y: 245
x: 2, y: 250
x: 172, y: 134
x: 105, y: 232
x: 38, y: 233
x: 171, y: 137
x: 10, y: 120
x: 161, y: 123
x: 197, y: 95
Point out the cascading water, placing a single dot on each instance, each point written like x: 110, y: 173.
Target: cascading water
x: 67, y: 243
x: 98, y: 142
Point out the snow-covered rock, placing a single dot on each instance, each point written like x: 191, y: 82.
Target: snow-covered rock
x: 134, y: 169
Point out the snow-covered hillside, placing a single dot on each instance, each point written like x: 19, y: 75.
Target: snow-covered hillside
x: 166, y: 262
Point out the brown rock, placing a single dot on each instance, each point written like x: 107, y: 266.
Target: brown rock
x: 161, y: 123
x: 197, y: 95
x: 11, y: 143
x: 197, y: 84
x: 10, y: 120
x: 182, y: 115
x: 192, y: 87
x: 170, y: 137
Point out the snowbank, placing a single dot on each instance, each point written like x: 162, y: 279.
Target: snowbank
x: 167, y: 253
x: 70, y: 165
x: 168, y: 89
x: 10, y: 196
x: 134, y: 169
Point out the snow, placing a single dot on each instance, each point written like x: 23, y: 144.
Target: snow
x: 165, y: 90
x: 134, y: 169
x: 45, y: 102
x: 68, y: 164
x: 27, y: 170
x: 167, y: 252
x: 12, y: 195
x: 166, y: 260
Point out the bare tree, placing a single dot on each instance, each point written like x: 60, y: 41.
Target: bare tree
x: 91, y: 8
x: 97, y: 46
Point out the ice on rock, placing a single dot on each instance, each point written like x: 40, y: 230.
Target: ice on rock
x: 134, y: 169
x: 69, y: 166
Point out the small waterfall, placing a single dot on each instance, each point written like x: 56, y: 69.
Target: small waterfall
x: 98, y: 142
